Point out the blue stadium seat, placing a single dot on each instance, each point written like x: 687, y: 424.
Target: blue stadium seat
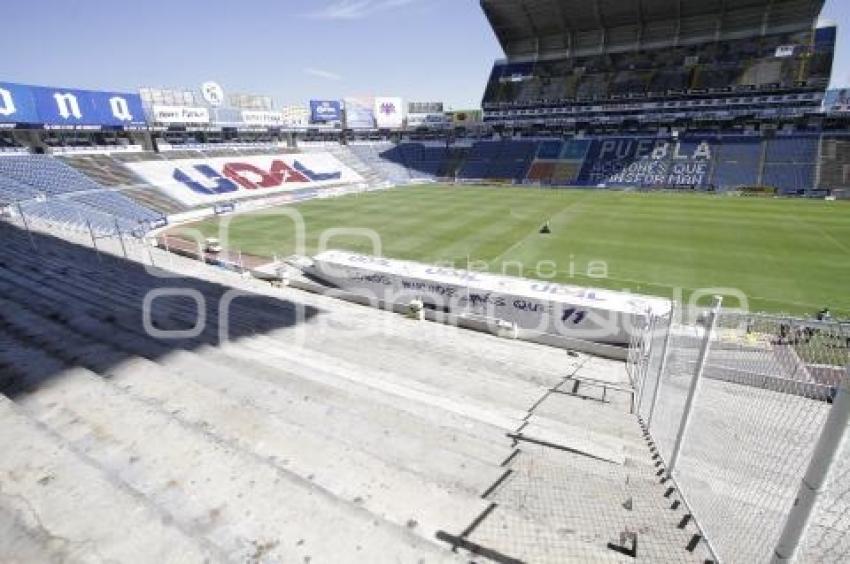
x: 549, y: 150
x: 12, y: 191
x: 45, y: 174
x: 386, y: 159
x: 70, y: 196
x: 792, y: 150
x: 790, y: 178
x: 735, y: 174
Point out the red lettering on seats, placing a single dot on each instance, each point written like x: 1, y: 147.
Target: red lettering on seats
x: 251, y: 177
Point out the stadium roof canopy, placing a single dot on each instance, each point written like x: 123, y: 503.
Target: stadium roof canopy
x: 557, y: 28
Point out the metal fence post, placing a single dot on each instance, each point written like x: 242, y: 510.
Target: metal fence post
x: 120, y: 237
x: 692, y: 392
x: 93, y: 241
x: 645, y: 357
x: 149, y: 247
x: 829, y: 445
x: 663, y: 366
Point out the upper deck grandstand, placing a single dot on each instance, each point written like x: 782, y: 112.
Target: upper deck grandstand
x: 657, y: 59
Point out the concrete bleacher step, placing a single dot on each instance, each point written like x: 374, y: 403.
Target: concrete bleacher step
x: 601, y: 503
x: 45, y: 485
x: 87, y: 288
x: 462, y: 462
x: 348, y: 433
x: 515, y: 538
x: 64, y: 344
x: 388, y: 491
x: 238, y: 500
x: 136, y: 345
x: 465, y: 457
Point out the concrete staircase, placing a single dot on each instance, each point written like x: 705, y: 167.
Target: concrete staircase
x: 311, y: 430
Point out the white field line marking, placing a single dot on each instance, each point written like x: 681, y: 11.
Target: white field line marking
x: 821, y: 231
x: 535, y: 231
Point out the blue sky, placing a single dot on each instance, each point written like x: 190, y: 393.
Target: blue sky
x: 293, y: 50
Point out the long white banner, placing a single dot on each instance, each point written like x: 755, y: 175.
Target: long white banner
x: 197, y: 182
x: 571, y: 311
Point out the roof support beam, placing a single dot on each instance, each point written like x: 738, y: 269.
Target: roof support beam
x: 532, y: 26
x: 527, y: 23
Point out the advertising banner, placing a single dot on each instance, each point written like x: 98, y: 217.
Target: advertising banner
x: 325, y: 111
x: 424, y: 108
x: 180, y: 115
x: 66, y: 107
x: 226, y: 117
x: 359, y: 113
x: 17, y: 104
x: 262, y: 118
x: 197, y: 182
x: 427, y: 120
x: 389, y: 113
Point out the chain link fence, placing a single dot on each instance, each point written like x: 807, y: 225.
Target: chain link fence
x: 740, y: 431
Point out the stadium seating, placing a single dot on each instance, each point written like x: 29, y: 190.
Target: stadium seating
x: 116, y: 204
x: 834, y: 162
x: 47, y: 174
x: 789, y: 178
x: 785, y: 162
x: 499, y: 160
x: 738, y: 162
x: 424, y: 161
x: 513, y: 160
x: 58, y: 192
x: 790, y: 163
x: 792, y: 149
x: 751, y: 72
x: 384, y: 158
x: 12, y: 191
x: 111, y: 420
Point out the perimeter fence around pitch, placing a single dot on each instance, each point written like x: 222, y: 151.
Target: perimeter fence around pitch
x: 749, y: 413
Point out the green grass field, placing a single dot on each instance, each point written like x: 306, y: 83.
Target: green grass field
x: 784, y: 255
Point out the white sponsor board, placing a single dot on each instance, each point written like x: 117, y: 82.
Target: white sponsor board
x: 197, y: 182
x: 427, y: 120
x: 263, y: 118
x: 389, y: 113
x: 180, y: 114
x: 570, y: 311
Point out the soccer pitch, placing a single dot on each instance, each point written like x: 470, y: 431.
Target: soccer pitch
x: 785, y: 255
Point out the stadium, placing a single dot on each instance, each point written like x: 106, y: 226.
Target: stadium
x: 603, y: 317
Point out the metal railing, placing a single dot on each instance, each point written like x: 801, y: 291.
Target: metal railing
x: 749, y: 413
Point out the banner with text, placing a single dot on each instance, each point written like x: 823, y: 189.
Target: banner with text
x: 175, y: 115
x: 647, y: 162
x: 197, y: 182
x: 67, y: 107
x: 262, y: 118
x: 325, y: 111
